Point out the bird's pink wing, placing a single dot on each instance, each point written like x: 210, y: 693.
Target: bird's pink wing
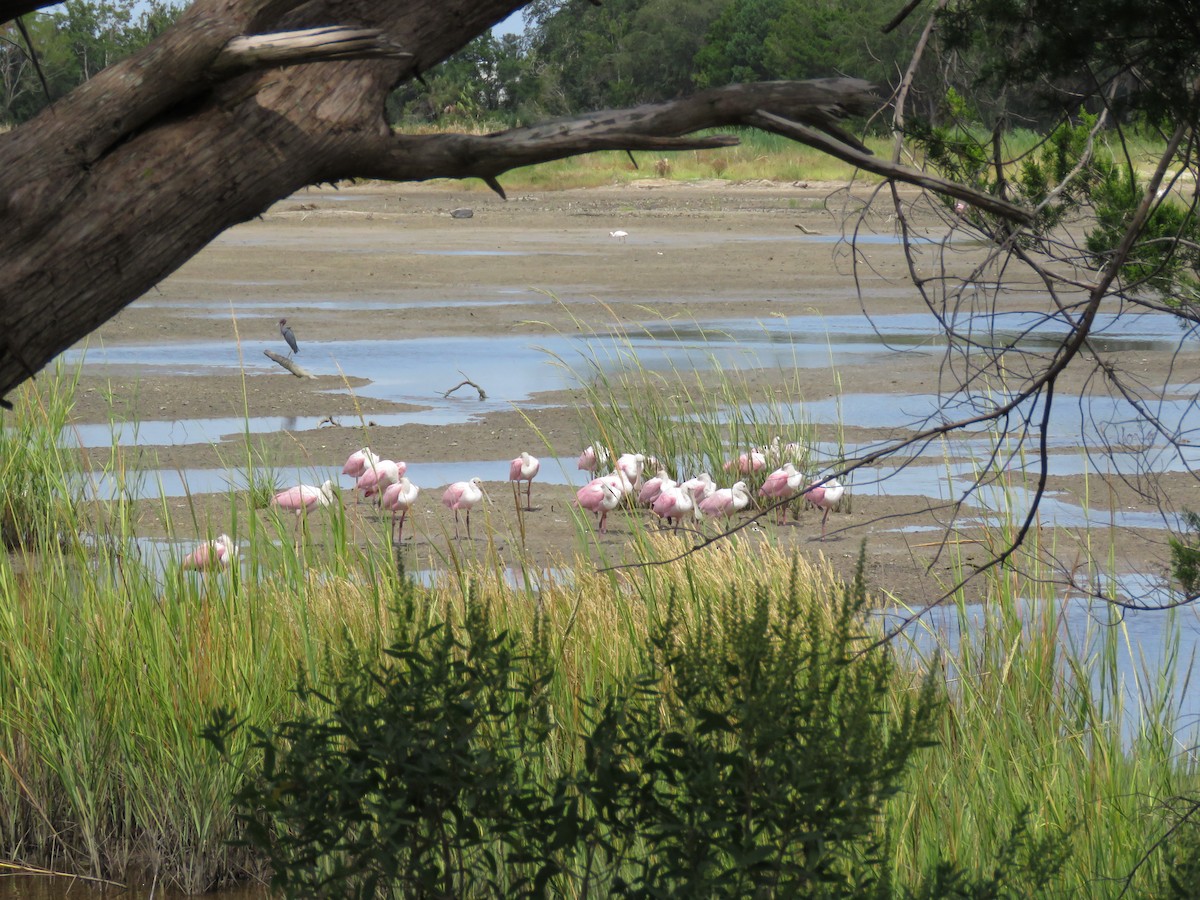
x: 665, y: 504
x: 650, y: 491
x: 591, y: 495
x: 716, y: 505
x: 587, y: 460
x: 514, y: 470
x: 815, y: 495
x: 391, y: 496
x: 776, y: 485
x: 453, y: 494
x: 198, y: 558
x: 355, y: 465
x: 292, y: 498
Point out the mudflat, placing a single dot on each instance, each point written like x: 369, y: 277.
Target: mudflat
x: 387, y: 268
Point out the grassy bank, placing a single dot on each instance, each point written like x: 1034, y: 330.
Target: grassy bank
x: 109, y: 668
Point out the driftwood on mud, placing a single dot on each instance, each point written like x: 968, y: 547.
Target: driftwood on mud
x: 464, y: 383
x: 291, y: 365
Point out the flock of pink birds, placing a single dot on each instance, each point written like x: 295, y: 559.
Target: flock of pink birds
x: 698, y: 498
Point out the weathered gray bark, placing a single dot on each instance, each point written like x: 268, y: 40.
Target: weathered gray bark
x: 130, y: 175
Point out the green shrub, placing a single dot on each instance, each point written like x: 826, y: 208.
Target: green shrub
x: 750, y: 757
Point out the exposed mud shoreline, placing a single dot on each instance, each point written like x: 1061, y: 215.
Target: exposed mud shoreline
x: 387, y: 262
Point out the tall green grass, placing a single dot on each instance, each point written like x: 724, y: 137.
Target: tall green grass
x: 110, y: 666
x: 1036, y: 727
x: 38, y: 477
x: 694, y: 414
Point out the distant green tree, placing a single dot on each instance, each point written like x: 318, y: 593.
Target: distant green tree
x: 625, y: 52
x: 736, y: 45
x: 72, y: 44
x: 485, y: 78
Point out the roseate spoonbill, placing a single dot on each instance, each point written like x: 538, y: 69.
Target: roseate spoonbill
x: 359, y: 461
x: 699, y: 487
x: 463, y: 495
x: 778, y: 451
x: 524, y: 468
x: 288, y: 335
x: 215, y: 554
x: 304, y: 497
x: 748, y: 463
x: 592, y: 458
x: 600, y: 495
x: 632, y: 464
x: 399, y: 498
x: 619, y: 235
x: 655, y: 486
x: 379, y: 476
x: 824, y: 496
x: 725, y: 502
x: 673, y: 503
x: 620, y: 481
x: 783, y: 484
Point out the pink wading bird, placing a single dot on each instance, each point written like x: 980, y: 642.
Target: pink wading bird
x: 825, y: 496
x: 748, y: 463
x: 601, y: 496
x: 304, y: 497
x: 377, y: 477
x: 700, y: 487
x: 592, y: 458
x: 463, y: 495
x: 632, y: 465
x: 218, y: 553
x: 655, y: 486
x: 725, y: 502
x: 673, y: 503
x: 399, y: 498
x: 782, y: 484
x: 357, y: 464
x: 524, y: 468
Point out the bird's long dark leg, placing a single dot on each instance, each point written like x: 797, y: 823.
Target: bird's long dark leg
x: 456, y: 525
x: 823, y: 518
x: 529, y: 496
x: 400, y: 533
x: 469, y: 524
x: 603, y: 519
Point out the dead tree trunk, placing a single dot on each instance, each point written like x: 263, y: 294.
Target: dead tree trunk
x: 243, y: 102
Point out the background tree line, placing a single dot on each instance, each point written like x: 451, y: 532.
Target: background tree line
x: 572, y: 56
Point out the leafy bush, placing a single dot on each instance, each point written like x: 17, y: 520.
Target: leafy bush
x: 751, y: 756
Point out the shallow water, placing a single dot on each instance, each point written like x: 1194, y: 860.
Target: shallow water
x: 1144, y: 641
x: 171, y: 483
x: 514, y: 368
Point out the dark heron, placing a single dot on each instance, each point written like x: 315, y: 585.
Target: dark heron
x: 288, y: 336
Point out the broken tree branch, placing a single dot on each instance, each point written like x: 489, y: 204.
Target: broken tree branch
x: 895, y: 171
x: 657, y: 126
x: 288, y: 48
x: 289, y: 364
